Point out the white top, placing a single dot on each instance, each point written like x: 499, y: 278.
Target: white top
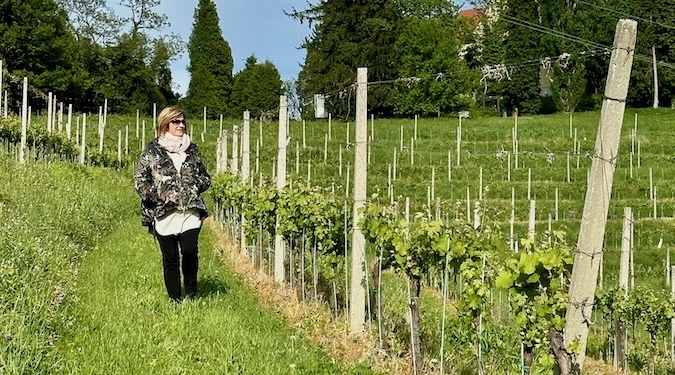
x: 178, y: 221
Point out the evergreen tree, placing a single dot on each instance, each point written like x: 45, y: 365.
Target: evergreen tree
x: 211, y: 64
x: 348, y: 34
x: 256, y: 89
x: 521, y: 91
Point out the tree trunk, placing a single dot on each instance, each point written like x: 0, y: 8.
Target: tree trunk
x: 384, y: 345
x: 562, y: 357
x: 621, y: 345
x: 528, y: 358
x: 415, y: 286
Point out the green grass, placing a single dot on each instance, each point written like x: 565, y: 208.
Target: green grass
x: 52, y: 216
x: 82, y: 290
x: 126, y: 324
x: 482, y: 139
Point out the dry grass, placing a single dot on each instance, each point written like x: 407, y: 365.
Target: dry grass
x: 313, y: 319
x: 599, y: 367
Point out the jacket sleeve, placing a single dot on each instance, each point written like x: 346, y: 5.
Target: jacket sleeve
x: 202, y: 176
x: 143, y: 181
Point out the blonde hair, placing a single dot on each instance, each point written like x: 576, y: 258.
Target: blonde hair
x: 165, y: 116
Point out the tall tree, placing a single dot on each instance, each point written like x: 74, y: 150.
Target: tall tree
x: 211, y: 63
x: 93, y: 20
x: 256, y: 88
x: 130, y: 83
x: 348, y: 34
x: 655, y: 31
x: 427, y: 54
x: 521, y: 91
x: 162, y: 70
x: 35, y: 41
x: 143, y: 16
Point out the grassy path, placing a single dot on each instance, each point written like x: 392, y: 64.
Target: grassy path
x: 124, y: 323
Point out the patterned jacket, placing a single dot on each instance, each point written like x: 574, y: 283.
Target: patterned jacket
x: 160, y: 187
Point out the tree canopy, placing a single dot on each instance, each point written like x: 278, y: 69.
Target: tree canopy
x: 423, y: 56
x: 211, y: 64
x: 256, y: 89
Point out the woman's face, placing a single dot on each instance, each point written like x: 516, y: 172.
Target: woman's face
x: 177, y: 126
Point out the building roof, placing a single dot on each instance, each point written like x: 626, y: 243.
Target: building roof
x: 475, y: 13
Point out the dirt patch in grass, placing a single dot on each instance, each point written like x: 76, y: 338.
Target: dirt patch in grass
x: 313, y: 319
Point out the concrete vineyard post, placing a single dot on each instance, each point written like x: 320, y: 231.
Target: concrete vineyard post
x: 297, y: 157
x: 591, y: 235
x: 621, y: 334
x: 119, y: 147
x: 2, y: 73
x: 49, y: 112
x: 531, y: 223
x: 279, y: 247
x: 69, y: 124
x: 358, y: 292
x: 82, y: 140
x: 24, y: 122
x: 234, y: 166
x: 245, y: 170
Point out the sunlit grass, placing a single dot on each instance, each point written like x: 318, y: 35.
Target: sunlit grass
x: 125, y: 323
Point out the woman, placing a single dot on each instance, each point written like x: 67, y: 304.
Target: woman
x: 170, y: 177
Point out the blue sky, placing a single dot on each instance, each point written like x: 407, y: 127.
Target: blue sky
x: 251, y: 27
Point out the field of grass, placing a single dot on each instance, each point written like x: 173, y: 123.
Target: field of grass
x: 540, y: 138
x: 82, y: 290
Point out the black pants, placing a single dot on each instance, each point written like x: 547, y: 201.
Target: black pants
x: 169, y: 245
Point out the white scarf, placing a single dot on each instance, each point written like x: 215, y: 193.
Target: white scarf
x: 172, y: 143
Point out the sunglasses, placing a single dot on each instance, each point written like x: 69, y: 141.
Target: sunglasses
x: 175, y: 122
